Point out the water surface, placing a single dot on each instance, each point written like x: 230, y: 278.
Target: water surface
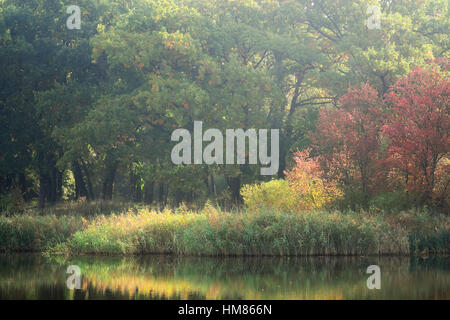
x: 32, y: 276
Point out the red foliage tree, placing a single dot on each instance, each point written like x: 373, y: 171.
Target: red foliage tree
x: 348, y: 139
x: 418, y: 127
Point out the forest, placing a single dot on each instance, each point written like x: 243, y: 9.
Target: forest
x: 359, y: 91
x: 88, y: 112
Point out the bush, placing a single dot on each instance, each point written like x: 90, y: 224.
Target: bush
x: 5, y: 203
x: 351, y: 200
x: 275, y: 195
x: 437, y: 242
x: 304, y: 189
x: 12, y: 202
x: 306, y: 179
x: 18, y: 203
x: 391, y: 201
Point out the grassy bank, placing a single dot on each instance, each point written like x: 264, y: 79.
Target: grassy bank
x: 265, y: 233
x: 36, y: 233
x: 36, y: 230
x: 211, y: 232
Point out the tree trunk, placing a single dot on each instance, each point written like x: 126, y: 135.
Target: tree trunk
x: 165, y: 193
x: 43, y: 189
x: 235, y: 185
x: 80, y: 185
x: 138, y: 191
x: 23, y: 185
x: 132, y: 188
x: 159, y: 188
x: 135, y: 192
x: 212, y: 185
x: 58, y: 182
x: 148, y: 191
x: 108, y: 182
x: 90, y: 190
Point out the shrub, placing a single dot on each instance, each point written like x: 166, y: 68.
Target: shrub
x: 436, y: 242
x: 5, y: 203
x: 306, y: 180
x: 352, y: 199
x: 12, y: 202
x: 391, y: 201
x: 18, y: 203
x: 275, y: 194
x: 304, y: 189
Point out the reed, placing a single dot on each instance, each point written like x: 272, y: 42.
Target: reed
x: 213, y: 233
x: 36, y: 233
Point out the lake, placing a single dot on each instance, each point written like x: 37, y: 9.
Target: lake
x: 32, y: 276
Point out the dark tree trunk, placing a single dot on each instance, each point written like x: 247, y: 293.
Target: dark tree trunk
x: 43, y: 189
x: 162, y: 194
x: 6, y: 183
x: 132, y: 190
x: 138, y: 191
x: 159, y: 186
x: 90, y: 190
x: 135, y: 187
x: 165, y: 193
x: 51, y: 194
x: 178, y: 197
x: 80, y: 185
x: 135, y: 192
x: 212, y: 185
x: 58, y: 178
x: 22, y: 183
x: 235, y: 185
x: 148, y: 191
x: 108, y: 182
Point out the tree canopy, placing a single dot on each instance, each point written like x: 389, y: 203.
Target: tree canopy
x: 89, y: 112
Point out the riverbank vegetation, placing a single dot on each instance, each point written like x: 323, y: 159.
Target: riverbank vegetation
x: 143, y: 230
x: 262, y: 233
x: 86, y: 118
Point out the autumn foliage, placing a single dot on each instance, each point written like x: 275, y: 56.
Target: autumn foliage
x: 305, y: 179
x: 399, y: 143
x: 275, y: 195
x: 418, y: 129
x: 348, y: 139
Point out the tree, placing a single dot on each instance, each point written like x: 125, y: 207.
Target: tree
x: 347, y: 140
x: 101, y: 102
x: 418, y: 126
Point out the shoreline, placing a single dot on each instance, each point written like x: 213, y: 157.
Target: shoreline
x: 249, y: 256
x: 221, y: 234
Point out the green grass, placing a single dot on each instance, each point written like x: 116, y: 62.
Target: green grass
x: 264, y: 233
x: 38, y: 229
x: 36, y: 233
x: 142, y: 230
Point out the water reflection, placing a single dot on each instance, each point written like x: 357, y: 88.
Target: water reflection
x: 24, y: 276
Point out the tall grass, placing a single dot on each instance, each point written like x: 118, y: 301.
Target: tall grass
x: 142, y: 230
x: 263, y: 233
x: 36, y: 233
x: 37, y: 229
x: 88, y: 209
